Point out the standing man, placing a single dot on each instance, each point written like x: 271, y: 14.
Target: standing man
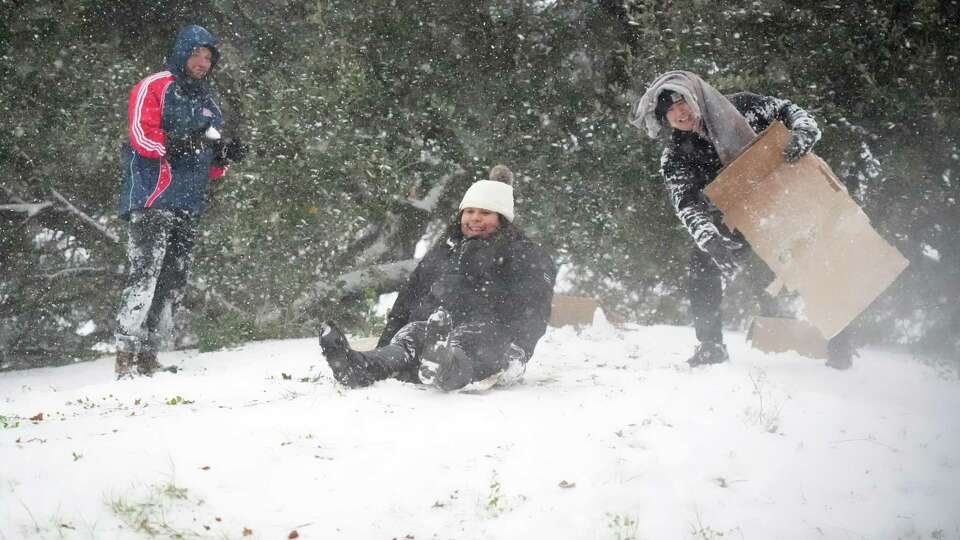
x: 174, y: 150
x: 707, y: 131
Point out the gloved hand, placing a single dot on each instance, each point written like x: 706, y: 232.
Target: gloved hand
x: 721, y: 249
x: 478, y: 258
x: 235, y: 151
x: 229, y: 151
x: 799, y: 145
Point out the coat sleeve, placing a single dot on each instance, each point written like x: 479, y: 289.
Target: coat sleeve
x: 795, y: 118
x: 145, y: 116
x: 799, y: 121
x: 691, y: 209
x: 531, y: 294
x: 761, y: 111
x: 402, y: 307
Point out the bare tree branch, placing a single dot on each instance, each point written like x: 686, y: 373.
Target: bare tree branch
x: 71, y: 271
x: 84, y: 217
x: 388, y: 276
x: 381, y: 276
x: 27, y: 208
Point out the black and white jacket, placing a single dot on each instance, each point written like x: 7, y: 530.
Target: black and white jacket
x: 690, y: 162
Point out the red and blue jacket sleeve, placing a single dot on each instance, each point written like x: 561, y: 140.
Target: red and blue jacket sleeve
x: 145, y: 115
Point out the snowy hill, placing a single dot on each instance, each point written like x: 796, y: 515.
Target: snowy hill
x: 610, y: 437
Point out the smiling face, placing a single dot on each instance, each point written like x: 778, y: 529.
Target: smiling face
x: 199, y: 62
x: 681, y: 117
x: 478, y: 222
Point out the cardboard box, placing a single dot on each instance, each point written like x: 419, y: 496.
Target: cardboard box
x: 576, y: 310
x: 776, y: 334
x: 800, y: 220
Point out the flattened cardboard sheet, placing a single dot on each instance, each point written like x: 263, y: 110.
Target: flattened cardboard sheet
x: 777, y: 334
x: 800, y: 220
x: 576, y: 310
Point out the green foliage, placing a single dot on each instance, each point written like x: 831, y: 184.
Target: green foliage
x: 165, y: 511
x: 496, y: 502
x: 373, y: 323
x: 623, y: 526
x: 228, y: 329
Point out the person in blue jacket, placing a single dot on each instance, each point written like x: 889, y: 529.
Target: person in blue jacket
x: 174, y: 150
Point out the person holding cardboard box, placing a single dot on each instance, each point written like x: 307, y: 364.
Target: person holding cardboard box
x: 706, y: 131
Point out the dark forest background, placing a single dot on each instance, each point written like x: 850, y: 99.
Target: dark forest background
x: 368, y: 119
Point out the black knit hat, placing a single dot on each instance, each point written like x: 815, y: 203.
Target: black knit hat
x: 665, y: 100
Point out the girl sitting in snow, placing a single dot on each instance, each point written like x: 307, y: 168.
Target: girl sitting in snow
x: 473, y: 309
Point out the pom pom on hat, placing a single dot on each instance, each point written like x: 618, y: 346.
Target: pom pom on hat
x: 490, y: 195
x: 502, y: 173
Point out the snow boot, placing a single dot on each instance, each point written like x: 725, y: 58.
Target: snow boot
x: 337, y: 351
x: 709, y: 352
x: 840, y: 354
x: 125, y: 364
x: 349, y: 367
x: 516, y: 367
x: 147, y: 364
x: 445, y: 367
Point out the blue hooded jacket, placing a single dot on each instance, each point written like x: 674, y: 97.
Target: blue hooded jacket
x: 171, y: 108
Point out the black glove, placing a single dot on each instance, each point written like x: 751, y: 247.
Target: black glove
x: 721, y: 249
x: 478, y: 258
x: 235, y: 151
x: 228, y: 151
x: 799, y: 145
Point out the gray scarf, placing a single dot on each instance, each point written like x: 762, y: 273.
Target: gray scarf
x: 723, y: 124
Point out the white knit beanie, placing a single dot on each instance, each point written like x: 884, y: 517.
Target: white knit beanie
x: 490, y: 195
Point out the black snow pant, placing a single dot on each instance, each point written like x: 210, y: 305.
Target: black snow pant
x: 160, y: 251
x: 487, y: 346
x: 705, y: 288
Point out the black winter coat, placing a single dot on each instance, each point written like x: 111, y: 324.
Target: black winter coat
x: 689, y: 162
x: 506, y: 280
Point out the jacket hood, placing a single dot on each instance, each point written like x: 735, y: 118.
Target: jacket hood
x: 724, y: 126
x: 188, y: 39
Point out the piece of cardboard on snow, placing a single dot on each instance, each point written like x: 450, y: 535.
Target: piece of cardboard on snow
x: 799, y: 220
x: 778, y: 334
x: 575, y: 310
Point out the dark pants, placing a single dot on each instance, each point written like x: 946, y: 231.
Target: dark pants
x: 705, y: 288
x: 486, y: 345
x: 160, y: 251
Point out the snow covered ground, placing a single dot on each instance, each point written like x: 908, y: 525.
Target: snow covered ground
x: 610, y: 437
